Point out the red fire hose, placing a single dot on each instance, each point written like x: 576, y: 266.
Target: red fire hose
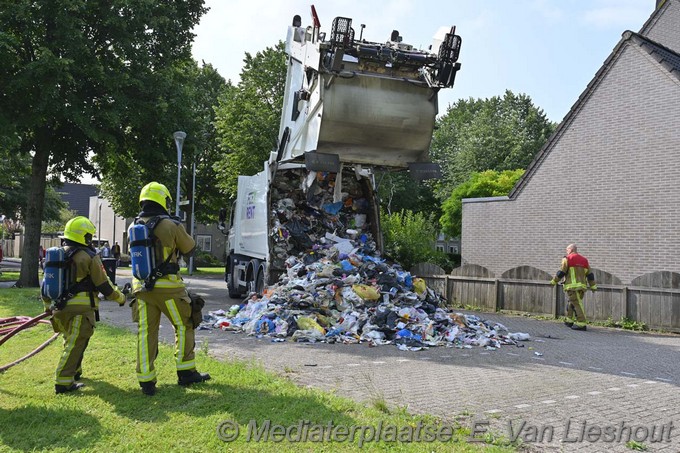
x: 12, y: 326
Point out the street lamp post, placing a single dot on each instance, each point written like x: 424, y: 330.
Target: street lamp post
x: 113, y: 239
x: 193, y: 216
x: 99, y: 228
x: 179, y: 137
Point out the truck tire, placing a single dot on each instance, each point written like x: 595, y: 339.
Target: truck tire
x: 231, y: 287
x: 259, y: 282
x: 233, y: 292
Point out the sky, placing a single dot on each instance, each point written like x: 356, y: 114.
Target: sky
x: 546, y: 49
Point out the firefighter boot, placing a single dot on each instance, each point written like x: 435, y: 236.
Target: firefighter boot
x: 58, y: 389
x: 188, y: 377
x: 568, y: 323
x: 579, y: 327
x: 148, y: 388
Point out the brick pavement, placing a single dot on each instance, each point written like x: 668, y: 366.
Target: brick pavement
x: 609, y: 379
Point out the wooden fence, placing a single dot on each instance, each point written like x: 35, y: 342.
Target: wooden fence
x: 12, y: 248
x: 652, y: 299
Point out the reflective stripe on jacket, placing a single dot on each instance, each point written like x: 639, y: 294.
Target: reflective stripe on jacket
x: 576, y: 269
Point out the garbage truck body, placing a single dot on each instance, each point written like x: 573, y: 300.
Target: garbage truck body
x: 350, y: 107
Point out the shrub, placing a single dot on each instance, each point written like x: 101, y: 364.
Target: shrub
x: 205, y: 259
x: 410, y: 238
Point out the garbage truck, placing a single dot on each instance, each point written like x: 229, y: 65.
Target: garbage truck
x: 351, y: 108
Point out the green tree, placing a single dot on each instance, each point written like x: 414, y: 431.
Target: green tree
x: 488, y: 183
x: 85, y: 77
x: 57, y: 225
x: 500, y: 133
x: 248, y: 117
x: 410, y: 237
x: 123, y: 174
x: 397, y: 192
x: 15, y: 181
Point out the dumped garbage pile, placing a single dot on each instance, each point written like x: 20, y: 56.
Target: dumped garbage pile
x: 336, y: 288
x: 351, y: 298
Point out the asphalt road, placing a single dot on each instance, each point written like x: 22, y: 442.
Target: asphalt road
x: 10, y: 264
x: 556, y: 393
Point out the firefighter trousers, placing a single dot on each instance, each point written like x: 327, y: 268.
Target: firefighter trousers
x: 176, y: 306
x: 575, y: 308
x: 76, y: 324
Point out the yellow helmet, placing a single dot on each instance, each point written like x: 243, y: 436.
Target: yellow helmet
x: 79, y: 229
x: 157, y: 192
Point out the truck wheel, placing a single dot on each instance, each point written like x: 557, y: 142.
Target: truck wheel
x: 231, y: 287
x: 259, y: 282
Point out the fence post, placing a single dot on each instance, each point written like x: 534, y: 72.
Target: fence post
x: 446, y: 289
x: 624, y: 301
x: 496, y: 287
x: 556, y: 288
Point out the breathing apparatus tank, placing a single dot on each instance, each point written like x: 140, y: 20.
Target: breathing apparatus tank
x: 54, y: 277
x: 141, y: 251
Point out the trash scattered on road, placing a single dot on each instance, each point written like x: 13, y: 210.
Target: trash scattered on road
x: 375, y: 303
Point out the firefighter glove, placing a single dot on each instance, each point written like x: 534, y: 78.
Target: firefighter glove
x: 593, y: 288
x: 119, y: 297
x: 553, y: 282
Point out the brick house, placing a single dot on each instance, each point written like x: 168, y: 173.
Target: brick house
x: 609, y: 177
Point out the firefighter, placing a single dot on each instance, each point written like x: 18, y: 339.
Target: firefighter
x: 74, y: 314
x: 578, y: 277
x: 168, y: 294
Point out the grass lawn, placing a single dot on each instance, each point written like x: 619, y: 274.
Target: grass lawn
x: 207, y: 271
x: 7, y: 276
x: 111, y: 415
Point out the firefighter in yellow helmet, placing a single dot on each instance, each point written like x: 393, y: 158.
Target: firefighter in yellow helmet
x: 165, y: 294
x: 75, y: 312
x: 578, y: 277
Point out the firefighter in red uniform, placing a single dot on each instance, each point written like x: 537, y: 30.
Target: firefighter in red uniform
x: 575, y: 270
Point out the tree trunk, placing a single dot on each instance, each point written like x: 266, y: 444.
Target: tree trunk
x: 34, y: 211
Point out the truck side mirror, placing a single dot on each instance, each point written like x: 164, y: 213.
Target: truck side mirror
x: 222, y: 218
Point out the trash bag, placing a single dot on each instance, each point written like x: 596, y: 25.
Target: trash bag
x: 306, y: 323
x: 366, y: 292
x: 419, y: 286
x: 298, y: 232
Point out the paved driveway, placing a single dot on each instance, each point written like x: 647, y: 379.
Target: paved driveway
x: 557, y: 392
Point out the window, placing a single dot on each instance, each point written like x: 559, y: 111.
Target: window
x: 204, y: 242
x: 453, y: 249
x: 440, y: 248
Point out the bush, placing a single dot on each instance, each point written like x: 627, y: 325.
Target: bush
x: 205, y: 259
x: 410, y: 239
